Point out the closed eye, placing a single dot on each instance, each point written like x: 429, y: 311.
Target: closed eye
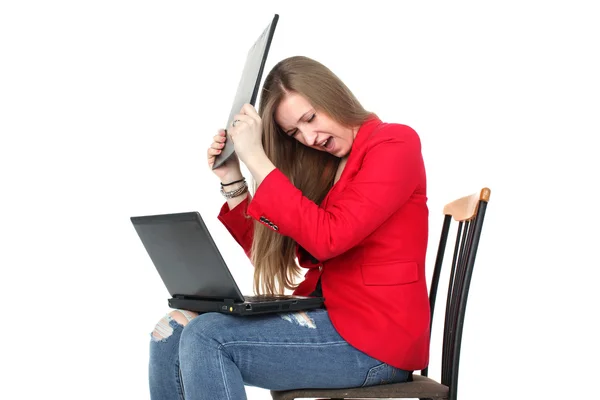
x: 295, y: 131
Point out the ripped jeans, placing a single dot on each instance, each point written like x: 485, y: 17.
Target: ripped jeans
x: 215, y: 355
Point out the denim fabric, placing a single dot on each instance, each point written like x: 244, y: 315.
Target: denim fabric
x: 215, y: 355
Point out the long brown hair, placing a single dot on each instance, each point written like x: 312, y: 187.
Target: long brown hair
x: 273, y: 254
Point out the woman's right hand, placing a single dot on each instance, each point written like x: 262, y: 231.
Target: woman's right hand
x: 230, y: 170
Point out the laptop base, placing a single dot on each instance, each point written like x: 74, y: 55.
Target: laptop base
x: 283, y: 304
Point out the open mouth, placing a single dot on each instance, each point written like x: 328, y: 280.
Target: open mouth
x: 328, y: 145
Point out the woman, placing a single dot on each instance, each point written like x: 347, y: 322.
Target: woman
x: 344, y: 193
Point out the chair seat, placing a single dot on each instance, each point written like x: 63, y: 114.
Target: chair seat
x: 420, y: 387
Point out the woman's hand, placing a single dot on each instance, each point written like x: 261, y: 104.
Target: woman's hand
x: 230, y: 170
x: 246, y: 134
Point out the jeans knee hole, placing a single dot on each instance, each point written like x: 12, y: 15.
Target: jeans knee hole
x: 164, y: 329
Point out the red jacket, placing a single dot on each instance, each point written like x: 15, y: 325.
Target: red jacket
x: 369, y: 236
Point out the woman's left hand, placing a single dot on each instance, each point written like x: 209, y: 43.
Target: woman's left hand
x: 246, y: 134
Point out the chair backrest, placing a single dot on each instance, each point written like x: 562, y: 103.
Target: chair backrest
x: 469, y: 212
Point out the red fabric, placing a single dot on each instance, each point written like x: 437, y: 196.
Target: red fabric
x: 370, y: 237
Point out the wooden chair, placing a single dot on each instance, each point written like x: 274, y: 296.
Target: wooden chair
x: 469, y: 212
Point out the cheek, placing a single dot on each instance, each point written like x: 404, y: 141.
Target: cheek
x: 335, y: 131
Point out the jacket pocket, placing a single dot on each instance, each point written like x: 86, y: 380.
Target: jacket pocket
x: 389, y: 273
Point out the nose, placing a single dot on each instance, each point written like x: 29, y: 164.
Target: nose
x: 309, y: 136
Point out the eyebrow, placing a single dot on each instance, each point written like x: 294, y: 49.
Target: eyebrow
x: 299, y: 119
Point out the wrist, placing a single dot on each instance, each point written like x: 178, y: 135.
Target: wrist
x: 234, y: 190
x: 234, y: 176
x: 234, y: 186
x: 260, y: 167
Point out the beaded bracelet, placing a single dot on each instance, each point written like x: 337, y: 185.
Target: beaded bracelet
x: 235, y: 193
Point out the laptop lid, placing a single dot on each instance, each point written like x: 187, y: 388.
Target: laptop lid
x: 249, y: 84
x: 186, y: 256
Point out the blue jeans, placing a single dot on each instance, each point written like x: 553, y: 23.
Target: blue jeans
x: 215, y: 355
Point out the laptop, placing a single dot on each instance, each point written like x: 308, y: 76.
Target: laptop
x: 249, y: 84
x: 194, y: 272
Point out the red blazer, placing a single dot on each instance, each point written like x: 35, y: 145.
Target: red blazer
x: 369, y: 236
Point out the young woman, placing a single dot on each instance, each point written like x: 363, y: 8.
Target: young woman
x: 340, y: 197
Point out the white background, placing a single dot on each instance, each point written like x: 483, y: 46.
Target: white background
x: 106, y: 110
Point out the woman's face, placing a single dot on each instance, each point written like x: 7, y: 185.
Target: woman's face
x: 298, y: 119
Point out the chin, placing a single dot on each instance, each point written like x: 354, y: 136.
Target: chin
x: 342, y: 153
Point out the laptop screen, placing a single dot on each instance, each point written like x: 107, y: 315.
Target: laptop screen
x: 249, y: 84
x: 186, y: 257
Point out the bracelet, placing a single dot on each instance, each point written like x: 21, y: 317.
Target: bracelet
x: 234, y: 182
x: 235, y: 193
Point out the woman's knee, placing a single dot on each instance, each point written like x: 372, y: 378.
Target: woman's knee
x: 164, y: 329
x: 208, y: 331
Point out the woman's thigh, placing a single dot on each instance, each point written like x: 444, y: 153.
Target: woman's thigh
x: 290, y: 350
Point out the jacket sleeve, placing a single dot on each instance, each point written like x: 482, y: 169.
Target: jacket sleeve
x: 390, y: 172
x: 239, y: 223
